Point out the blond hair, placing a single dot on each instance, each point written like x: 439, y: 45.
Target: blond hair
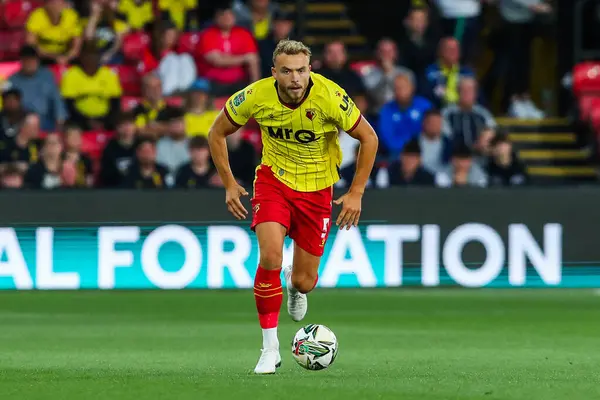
x: 291, y: 48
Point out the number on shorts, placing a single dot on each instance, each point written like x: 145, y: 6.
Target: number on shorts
x: 325, y: 225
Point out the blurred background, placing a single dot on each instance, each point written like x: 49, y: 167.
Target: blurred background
x: 121, y: 94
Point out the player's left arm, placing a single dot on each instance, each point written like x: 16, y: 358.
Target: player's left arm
x: 349, y: 118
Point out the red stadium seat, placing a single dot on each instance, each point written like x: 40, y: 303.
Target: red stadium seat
x: 362, y: 67
x: 586, y: 78
x: 58, y: 71
x: 8, y: 68
x: 14, y: 13
x: 128, y: 103
x: 219, y: 102
x: 93, y: 143
x: 175, y: 101
x: 134, y: 45
x: 187, y: 43
x: 131, y: 81
x: 10, y: 44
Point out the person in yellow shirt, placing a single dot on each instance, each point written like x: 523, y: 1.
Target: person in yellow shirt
x: 137, y: 14
x: 108, y: 31
x: 199, y: 114
x: 180, y: 12
x: 54, y: 30
x: 152, y: 114
x: 92, y: 92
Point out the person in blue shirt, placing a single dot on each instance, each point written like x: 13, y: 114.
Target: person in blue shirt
x: 401, y: 119
x: 442, y: 78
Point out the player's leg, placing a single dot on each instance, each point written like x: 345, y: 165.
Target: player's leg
x: 309, y: 228
x: 270, y: 221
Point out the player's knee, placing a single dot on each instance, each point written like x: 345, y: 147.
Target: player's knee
x: 271, y: 259
x: 303, y: 283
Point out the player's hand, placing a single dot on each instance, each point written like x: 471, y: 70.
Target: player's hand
x: 232, y: 198
x: 351, y: 206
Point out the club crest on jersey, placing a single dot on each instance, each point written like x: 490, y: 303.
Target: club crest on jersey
x: 249, y: 91
x: 239, y: 99
x: 310, y: 114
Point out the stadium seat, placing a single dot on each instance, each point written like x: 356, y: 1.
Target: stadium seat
x: 14, y: 13
x: 10, y: 44
x: 174, y: 101
x: 131, y: 81
x: 362, y: 67
x: 93, y: 143
x: 586, y: 78
x: 134, y: 45
x: 58, y: 71
x: 187, y: 43
x: 219, y: 102
x: 128, y: 103
x: 8, y: 68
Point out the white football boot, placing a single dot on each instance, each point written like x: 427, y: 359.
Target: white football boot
x: 297, y: 303
x: 268, y: 362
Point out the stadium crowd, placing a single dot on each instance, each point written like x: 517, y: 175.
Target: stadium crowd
x: 145, y: 86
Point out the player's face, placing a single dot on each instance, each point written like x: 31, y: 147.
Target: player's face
x: 292, y: 73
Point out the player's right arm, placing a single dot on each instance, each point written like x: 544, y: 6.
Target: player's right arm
x: 237, y: 112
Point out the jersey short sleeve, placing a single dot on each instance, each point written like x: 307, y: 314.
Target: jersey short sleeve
x: 345, y: 113
x: 69, y: 84
x: 239, y: 107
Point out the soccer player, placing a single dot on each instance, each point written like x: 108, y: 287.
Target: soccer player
x: 299, y: 113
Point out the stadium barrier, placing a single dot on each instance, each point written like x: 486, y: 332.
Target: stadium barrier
x: 419, y: 237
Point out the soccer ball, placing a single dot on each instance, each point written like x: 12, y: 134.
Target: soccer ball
x: 315, y: 347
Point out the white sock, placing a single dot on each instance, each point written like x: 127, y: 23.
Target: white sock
x: 270, y: 340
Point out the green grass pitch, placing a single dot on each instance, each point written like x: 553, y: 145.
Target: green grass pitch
x: 439, y: 344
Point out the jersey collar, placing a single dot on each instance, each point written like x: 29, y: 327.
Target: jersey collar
x: 294, y: 106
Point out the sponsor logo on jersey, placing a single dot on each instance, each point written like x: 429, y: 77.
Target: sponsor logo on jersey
x: 232, y: 107
x: 310, y: 113
x: 239, y: 99
x: 302, y: 136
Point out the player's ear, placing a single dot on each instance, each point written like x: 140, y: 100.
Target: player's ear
x: 273, y: 72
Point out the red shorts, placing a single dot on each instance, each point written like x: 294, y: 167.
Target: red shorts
x: 305, y: 215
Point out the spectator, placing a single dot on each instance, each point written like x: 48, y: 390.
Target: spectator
x: 83, y: 164
x: 23, y: 149
x: 151, y: 114
x: 418, y: 47
x: 227, y: 54
x: 464, y: 121
x: 379, y: 80
x: 242, y: 158
x: 47, y: 173
x: 482, y: 148
x: 200, y: 114
x: 137, y: 14
x: 283, y: 27
x: 145, y: 172
x: 519, y: 23
x: 198, y: 172
x: 462, y: 171
x: 504, y: 168
x: 180, y: 12
x: 106, y: 30
x: 39, y: 90
x: 92, y: 92
x: 172, y: 149
x: 12, y: 178
x: 55, y: 32
x: 176, y: 71
x: 119, y: 153
x: 401, y: 120
x: 436, y: 148
x: 443, y: 77
x: 336, y: 68
x: 256, y: 16
x: 12, y: 113
x: 409, y: 170
x: 460, y: 19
